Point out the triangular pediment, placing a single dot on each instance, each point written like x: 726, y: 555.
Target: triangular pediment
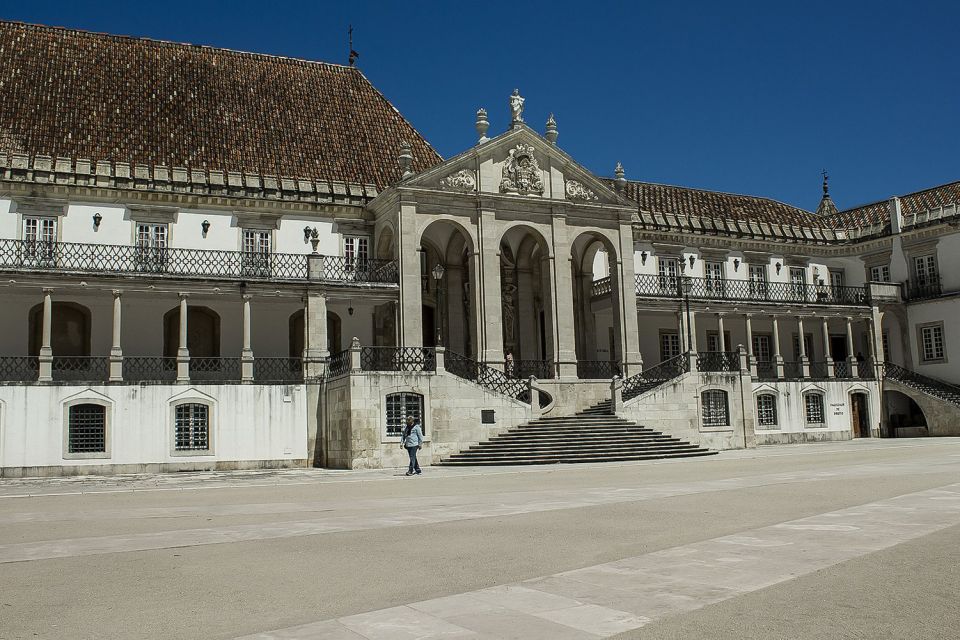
x: 518, y: 163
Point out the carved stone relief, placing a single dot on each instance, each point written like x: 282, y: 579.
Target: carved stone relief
x: 576, y: 191
x: 521, y: 172
x: 463, y: 180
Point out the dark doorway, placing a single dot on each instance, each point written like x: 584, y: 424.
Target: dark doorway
x: 429, y: 326
x: 203, y: 332
x: 838, y: 348
x: 859, y: 415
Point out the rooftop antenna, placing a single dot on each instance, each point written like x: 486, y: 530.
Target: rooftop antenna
x: 353, y: 54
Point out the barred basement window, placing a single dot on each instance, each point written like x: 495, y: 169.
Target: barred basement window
x: 767, y: 410
x: 87, y: 428
x: 401, y: 405
x: 191, y: 427
x: 715, y: 412
x: 813, y: 402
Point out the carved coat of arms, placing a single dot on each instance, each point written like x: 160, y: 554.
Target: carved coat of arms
x: 521, y: 172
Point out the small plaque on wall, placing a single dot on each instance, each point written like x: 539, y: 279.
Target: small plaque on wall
x: 487, y: 416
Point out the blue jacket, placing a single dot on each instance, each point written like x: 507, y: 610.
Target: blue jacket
x: 415, y: 439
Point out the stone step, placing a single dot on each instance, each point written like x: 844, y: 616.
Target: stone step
x: 533, y: 450
x: 571, y: 459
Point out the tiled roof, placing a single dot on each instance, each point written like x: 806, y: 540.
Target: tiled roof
x: 911, y: 205
x: 75, y: 94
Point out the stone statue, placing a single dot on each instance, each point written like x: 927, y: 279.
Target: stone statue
x: 516, y: 106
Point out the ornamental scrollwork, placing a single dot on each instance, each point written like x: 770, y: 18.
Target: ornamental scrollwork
x: 576, y: 191
x: 521, y: 172
x: 463, y: 180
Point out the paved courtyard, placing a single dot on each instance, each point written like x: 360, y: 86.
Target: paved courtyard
x: 849, y: 540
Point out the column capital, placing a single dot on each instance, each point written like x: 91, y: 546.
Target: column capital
x: 183, y: 295
x: 117, y: 293
x: 247, y: 296
x: 47, y: 290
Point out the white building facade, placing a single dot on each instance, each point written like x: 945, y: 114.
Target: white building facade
x: 170, y: 304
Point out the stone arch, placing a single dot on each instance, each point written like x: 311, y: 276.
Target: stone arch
x: 449, y: 306
x: 597, y: 304
x: 296, y: 333
x: 69, y: 330
x: 203, y: 332
x: 386, y: 243
x: 527, y: 301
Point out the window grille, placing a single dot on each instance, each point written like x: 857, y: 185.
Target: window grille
x: 767, y: 410
x: 669, y: 346
x: 715, y: 410
x: 401, y: 405
x: 932, y: 342
x: 87, y: 428
x: 814, y: 408
x: 191, y: 427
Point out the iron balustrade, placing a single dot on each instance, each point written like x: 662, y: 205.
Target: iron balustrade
x: 841, y: 369
x: 766, y: 369
x: 278, y: 370
x: 924, y: 288
x: 818, y: 370
x: 792, y: 370
x: 866, y: 369
x: 215, y: 369
x: 655, y: 376
x: 149, y: 369
x: 657, y: 286
x: 523, y: 369
x: 717, y: 361
x: 165, y: 261
x: 933, y: 386
x: 19, y: 368
x: 598, y: 369
x: 488, y: 377
x: 80, y: 369
x: 339, y: 364
x: 398, y: 359
x: 601, y: 287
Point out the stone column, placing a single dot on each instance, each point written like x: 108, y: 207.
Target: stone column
x: 455, y: 325
x: 246, y: 355
x: 851, y: 357
x: 46, y: 350
x: 491, y: 327
x: 561, y: 297
x: 183, y: 352
x: 722, y: 340
x: 826, y: 348
x: 411, y: 305
x: 804, y: 361
x: 692, y: 321
x: 315, y: 351
x: 752, y: 363
x: 116, y: 352
x: 632, y: 358
x: 777, y: 358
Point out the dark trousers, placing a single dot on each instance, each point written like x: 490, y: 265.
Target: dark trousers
x: 414, y: 465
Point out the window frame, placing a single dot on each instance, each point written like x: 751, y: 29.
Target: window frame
x: 665, y: 335
x: 921, y: 350
x: 806, y: 409
x: 774, y: 409
x: 402, y: 416
x: 707, y: 419
x: 66, y: 454
x: 179, y: 402
x: 883, y: 272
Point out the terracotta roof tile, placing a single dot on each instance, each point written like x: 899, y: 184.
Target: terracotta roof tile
x: 67, y: 93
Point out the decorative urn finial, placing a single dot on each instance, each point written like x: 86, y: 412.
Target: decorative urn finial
x: 620, y: 182
x: 551, y: 133
x: 405, y: 159
x: 826, y: 186
x: 516, y: 108
x: 482, y: 125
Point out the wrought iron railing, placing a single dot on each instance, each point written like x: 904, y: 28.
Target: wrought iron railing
x: 601, y: 287
x: 792, y: 370
x: 715, y: 361
x: 766, y: 369
x: 523, y: 369
x: 932, y: 386
x: 486, y: 376
x: 278, y: 369
x: 866, y: 369
x: 398, y: 359
x: 339, y: 364
x: 655, y: 376
x: 818, y: 370
x: 149, y: 369
x: 656, y: 286
x: 598, y: 369
x: 841, y: 369
x: 104, y: 258
x: 19, y: 368
x: 923, y: 288
x: 215, y: 369
x: 80, y: 368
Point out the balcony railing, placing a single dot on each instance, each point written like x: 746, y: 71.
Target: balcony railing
x: 149, y: 369
x: 22, y: 255
x: 923, y: 288
x: 655, y: 376
x: 717, y: 361
x: 19, y: 368
x: 601, y: 287
x: 523, y: 369
x: 398, y: 359
x: 76, y: 368
x: 655, y: 286
x: 598, y: 369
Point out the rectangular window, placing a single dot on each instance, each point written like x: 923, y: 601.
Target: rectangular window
x: 931, y: 342
x: 758, y: 280
x: 191, y: 427
x: 836, y: 279
x: 798, y: 278
x: 713, y: 341
x: 761, y: 347
x: 151, y: 254
x: 714, y: 405
x: 87, y: 429
x: 39, y: 237
x: 807, y: 346
x: 256, y: 254
x: 925, y: 269
x: 401, y: 405
x: 356, y: 250
x: 713, y: 272
x: 880, y: 273
x: 669, y: 346
x: 767, y: 410
x: 668, y: 269
x: 813, y: 403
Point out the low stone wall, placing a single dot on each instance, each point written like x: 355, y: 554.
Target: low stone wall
x: 571, y: 396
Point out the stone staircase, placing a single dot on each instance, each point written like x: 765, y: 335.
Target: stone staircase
x: 931, y: 386
x: 593, y: 435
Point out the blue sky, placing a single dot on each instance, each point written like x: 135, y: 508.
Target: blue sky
x: 746, y: 97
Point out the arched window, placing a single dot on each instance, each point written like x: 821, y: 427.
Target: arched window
x: 715, y: 410
x: 69, y: 329
x: 399, y: 406
x: 203, y: 332
x: 766, y: 410
x: 191, y: 427
x: 297, y: 333
x: 86, y: 429
x: 813, y: 408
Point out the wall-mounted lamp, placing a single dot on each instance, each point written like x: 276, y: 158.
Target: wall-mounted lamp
x: 643, y: 257
x: 97, y: 219
x: 205, y: 225
x: 306, y: 234
x: 692, y: 260
x: 736, y: 263
x: 350, y: 309
x: 778, y: 267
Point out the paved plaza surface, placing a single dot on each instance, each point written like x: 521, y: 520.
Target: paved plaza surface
x: 847, y: 540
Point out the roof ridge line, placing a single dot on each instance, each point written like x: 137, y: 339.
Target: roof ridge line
x: 724, y: 193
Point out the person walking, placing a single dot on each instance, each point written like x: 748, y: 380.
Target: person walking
x: 412, y: 441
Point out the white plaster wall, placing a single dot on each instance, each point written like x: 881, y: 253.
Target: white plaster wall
x: 249, y: 423
x: 289, y: 237
x: 948, y: 259
x: 791, y: 411
x: 946, y: 310
x: 8, y: 220
x: 77, y: 225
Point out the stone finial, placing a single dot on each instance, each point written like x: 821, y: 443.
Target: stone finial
x: 551, y: 133
x: 482, y: 125
x: 620, y: 182
x: 516, y: 107
x: 406, y: 159
x: 826, y: 183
